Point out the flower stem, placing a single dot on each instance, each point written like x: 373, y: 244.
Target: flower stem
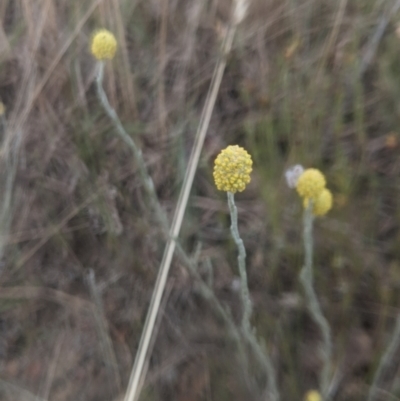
x: 246, y: 301
x: 306, y: 278
x: 247, y: 331
x: 137, y: 153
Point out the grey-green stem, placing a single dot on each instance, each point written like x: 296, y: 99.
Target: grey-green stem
x: 137, y: 153
x: 306, y: 278
x: 244, y: 288
x: 247, y: 331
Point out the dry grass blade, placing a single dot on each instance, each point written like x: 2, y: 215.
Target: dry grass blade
x: 55, y: 229
x: 386, y: 363
x: 374, y: 41
x: 136, y: 374
x: 53, y: 366
x: 162, y: 113
x: 333, y: 36
x: 17, y: 393
x: 14, y: 134
x: 102, y: 327
x: 21, y: 118
x: 28, y: 292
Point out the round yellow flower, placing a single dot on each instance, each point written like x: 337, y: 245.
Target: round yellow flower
x: 232, y: 169
x: 312, y: 395
x: 104, y: 45
x: 311, y: 183
x: 322, y: 204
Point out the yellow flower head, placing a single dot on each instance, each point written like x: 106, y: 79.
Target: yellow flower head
x: 322, y: 204
x: 232, y: 169
x: 311, y: 183
x: 2, y: 108
x: 104, y: 45
x: 312, y: 395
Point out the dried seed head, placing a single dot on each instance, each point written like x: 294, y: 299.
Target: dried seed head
x: 292, y: 175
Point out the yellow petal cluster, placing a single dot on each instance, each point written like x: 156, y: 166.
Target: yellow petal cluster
x: 104, y: 45
x: 232, y: 169
x: 311, y: 183
x: 322, y: 204
x: 312, y: 395
x: 311, y: 187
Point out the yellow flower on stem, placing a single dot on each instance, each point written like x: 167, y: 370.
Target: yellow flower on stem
x: 103, y: 45
x: 322, y: 204
x: 232, y: 169
x: 311, y: 183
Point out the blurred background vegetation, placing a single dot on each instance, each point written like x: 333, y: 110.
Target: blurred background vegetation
x: 310, y: 82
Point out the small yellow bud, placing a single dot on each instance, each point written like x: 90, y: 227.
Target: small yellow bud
x: 232, y: 169
x: 104, y: 45
x: 322, y: 204
x: 311, y: 183
x: 312, y: 395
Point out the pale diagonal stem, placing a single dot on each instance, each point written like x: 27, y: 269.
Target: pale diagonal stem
x: 10, y: 146
x: 134, y: 383
x: 306, y: 278
x: 136, y: 378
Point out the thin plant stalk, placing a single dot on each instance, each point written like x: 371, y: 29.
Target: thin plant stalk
x: 10, y: 146
x: 135, y: 378
x: 306, y: 278
x: 247, y: 331
x: 137, y: 153
x: 265, y: 361
x: 385, y: 362
x: 244, y: 287
x: 103, y: 330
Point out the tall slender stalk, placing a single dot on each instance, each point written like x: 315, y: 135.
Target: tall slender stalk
x: 306, y: 278
x: 137, y: 153
x: 10, y: 146
x: 244, y: 287
x: 246, y: 328
x: 134, y: 382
